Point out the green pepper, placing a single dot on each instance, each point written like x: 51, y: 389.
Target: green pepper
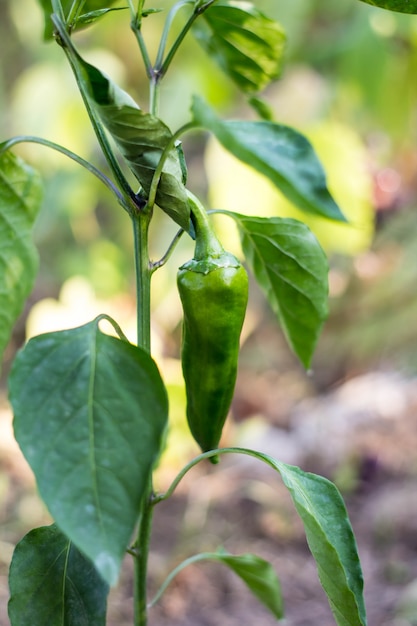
x: 213, y: 288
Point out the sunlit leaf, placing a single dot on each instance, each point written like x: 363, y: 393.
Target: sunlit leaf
x: 52, y: 583
x: 20, y: 199
x: 246, y: 44
x: 278, y: 152
x: 291, y: 269
x: 90, y: 412
x: 329, y: 536
x: 402, y: 6
x: 141, y: 138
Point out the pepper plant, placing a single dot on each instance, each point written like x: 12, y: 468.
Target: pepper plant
x: 91, y: 409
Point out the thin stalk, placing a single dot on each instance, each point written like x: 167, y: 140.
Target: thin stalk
x: 174, y: 48
x: 203, y: 556
x: 131, y: 8
x: 201, y: 457
x: 157, y: 264
x: 75, y: 11
x: 164, y: 37
x: 68, y: 153
x: 114, y: 324
x: 136, y: 28
x: 207, y: 455
x: 158, y: 170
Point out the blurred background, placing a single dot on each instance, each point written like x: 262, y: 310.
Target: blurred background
x: 349, y: 85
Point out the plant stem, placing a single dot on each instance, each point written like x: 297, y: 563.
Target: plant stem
x: 168, y: 23
x: 143, y: 279
x: 74, y: 13
x: 165, y: 153
x: 196, y: 13
x: 141, y: 559
x: 143, y: 294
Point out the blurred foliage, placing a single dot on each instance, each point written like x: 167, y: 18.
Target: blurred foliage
x: 348, y: 84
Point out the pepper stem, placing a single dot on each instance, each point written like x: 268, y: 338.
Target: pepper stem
x: 206, y: 241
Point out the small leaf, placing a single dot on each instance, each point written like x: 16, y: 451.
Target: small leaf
x: 329, y: 536
x: 402, y: 6
x: 262, y: 108
x: 90, y: 6
x: 52, y: 583
x: 245, y: 43
x: 291, y: 269
x: 259, y: 576
x: 20, y: 200
x: 278, y: 152
x: 141, y: 139
x: 89, y: 18
x: 90, y: 413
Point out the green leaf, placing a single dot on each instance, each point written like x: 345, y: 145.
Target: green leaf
x: 402, y: 6
x: 141, y: 139
x: 329, y: 536
x: 90, y: 6
x: 90, y: 413
x: 278, y: 152
x: 262, y: 108
x: 52, y: 583
x: 89, y: 18
x: 259, y: 576
x: 245, y: 43
x: 291, y: 269
x: 20, y: 200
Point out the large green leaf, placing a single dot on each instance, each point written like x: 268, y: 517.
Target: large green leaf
x: 329, y: 535
x: 20, y: 199
x: 90, y: 412
x: 141, y: 138
x: 278, y: 152
x: 291, y: 269
x: 52, y: 583
x: 402, y: 6
x: 246, y: 44
x: 94, y: 8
